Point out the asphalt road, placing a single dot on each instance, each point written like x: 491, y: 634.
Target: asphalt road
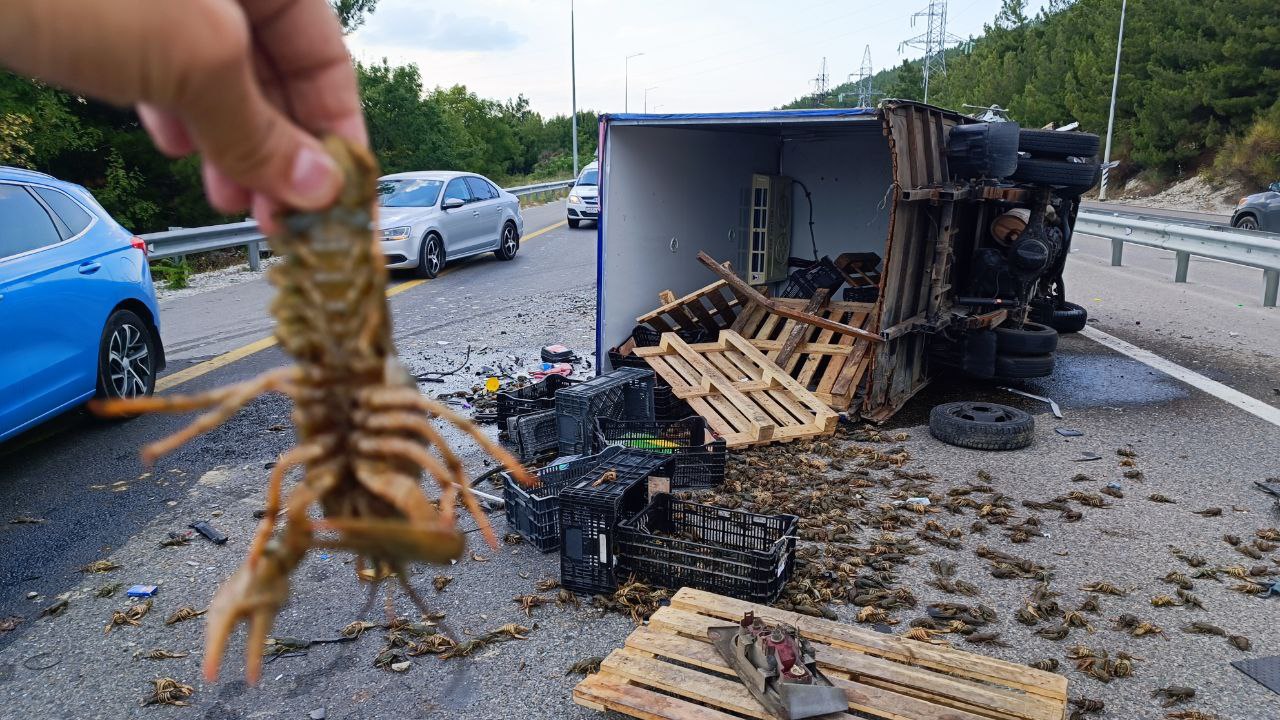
x: 83, y: 477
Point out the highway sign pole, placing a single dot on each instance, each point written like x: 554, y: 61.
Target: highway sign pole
x: 1111, y: 118
x: 573, y: 75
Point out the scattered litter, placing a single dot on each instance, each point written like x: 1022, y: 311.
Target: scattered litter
x: 1053, y: 406
x: 401, y: 666
x: 1086, y: 456
x: 167, y: 691
x: 546, y: 369
x: 100, y: 566
x: 216, y: 536
x: 557, y: 354
x: 56, y: 609
x: 41, y: 661
x: 33, y: 595
x: 27, y: 520
x: 142, y: 591
x: 1068, y: 432
x: 317, y: 714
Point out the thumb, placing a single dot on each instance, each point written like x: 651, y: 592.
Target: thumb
x: 247, y: 139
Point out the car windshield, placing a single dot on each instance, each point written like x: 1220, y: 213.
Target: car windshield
x: 589, y: 177
x: 408, y: 192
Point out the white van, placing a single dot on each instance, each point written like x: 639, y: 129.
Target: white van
x: 584, y: 198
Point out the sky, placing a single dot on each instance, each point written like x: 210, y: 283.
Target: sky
x: 698, y: 55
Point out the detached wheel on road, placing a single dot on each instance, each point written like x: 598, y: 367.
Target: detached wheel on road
x: 126, y: 357
x: 431, y: 257
x: 574, y: 223
x: 982, y: 426
x: 1069, y: 318
x: 1030, y: 339
x: 508, y: 243
x: 1072, y: 177
x: 1051, y: 143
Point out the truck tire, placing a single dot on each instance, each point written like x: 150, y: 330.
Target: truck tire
x: 1069, y: 318
x: 1074, y: 178
x: 1021, y: 367
x: 1054, y: 144
x: 982, y: 426
x: 983, y: 150
x: 979, y: 354
x: 1030, y: 339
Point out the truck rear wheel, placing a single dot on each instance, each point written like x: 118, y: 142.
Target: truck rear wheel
x: 1051, y: 143
x: 1069, y: 318
x: 1073, y: 177
x: 1030, y: 339
x: 982, y: 426
x: 1021, y: 367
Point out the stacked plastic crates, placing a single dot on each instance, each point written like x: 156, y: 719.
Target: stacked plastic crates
x: 535, y: 512
x: 699, y: 456
x: 624, y: 394
x: 591, y: 508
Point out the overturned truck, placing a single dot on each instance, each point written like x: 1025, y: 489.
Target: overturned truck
x: 928, y: 241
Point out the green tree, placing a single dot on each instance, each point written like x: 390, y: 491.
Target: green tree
x: 908, y: 83
x: 352, y: 13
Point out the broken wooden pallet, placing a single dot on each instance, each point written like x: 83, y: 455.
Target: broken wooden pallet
x: 707, y: 310
x: 745, y: 398
x: 669, y: 670
x: 829, y: 364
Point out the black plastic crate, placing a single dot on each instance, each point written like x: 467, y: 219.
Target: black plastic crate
x: 646, y: 336
x: 699, y: 456
x: 673, y: 543
x: 862, y: 293
x: 534, y: 434
x: 590, y: 513
x: 624, y: 394
x: 530, y: 398
x: 806, y: 281
x: 535, y: 512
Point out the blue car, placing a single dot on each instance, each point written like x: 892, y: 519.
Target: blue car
x: 77, y: 307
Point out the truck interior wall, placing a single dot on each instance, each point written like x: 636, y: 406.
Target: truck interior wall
x: 848, y: 172
x: 664, y: 183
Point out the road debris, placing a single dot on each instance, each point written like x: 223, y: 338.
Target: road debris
x: 100, y: 566
x: 167, y: 691
x: 142, y: 591
x: 27, y: 520
x: 57, y: 608
x: 10, y: 623
x: 159, y: 654
x: 586, y: 666
x: 131, y: 615
x: 177, y: 539
x: 108, y: 589
x: 186, y: 612
x: 505, y: 633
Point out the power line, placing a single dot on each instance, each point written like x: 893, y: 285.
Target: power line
x: 820, y: 83
x: 934, y: 41
x: 862, y: 81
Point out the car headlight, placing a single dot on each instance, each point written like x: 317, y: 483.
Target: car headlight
x: 575, y: 199
x: 396, y: 233
x: 1241, y: 201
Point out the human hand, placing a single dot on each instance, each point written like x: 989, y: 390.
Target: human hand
x: 248, y: 84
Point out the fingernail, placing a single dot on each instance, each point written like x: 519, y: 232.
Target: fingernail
x: 315, y: 176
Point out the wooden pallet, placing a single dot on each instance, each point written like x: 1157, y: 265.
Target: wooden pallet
x: 668, y: 670
x: 745, y: 398
x: 829, y: 364
x: 709, y: 309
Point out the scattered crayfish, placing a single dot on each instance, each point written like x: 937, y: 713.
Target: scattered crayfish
x: 167, y: 691
x: 1174, y: 694
x: 1047, y: 664
x: 130, y: 616
x: 159, y: 654
x: 186, y: 612
x: 363, y: 427
x: 1105, y: 588
x: 586, y: 666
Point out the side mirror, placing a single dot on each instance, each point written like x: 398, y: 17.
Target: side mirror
x: 452, y: 203
x: 1274, y: 187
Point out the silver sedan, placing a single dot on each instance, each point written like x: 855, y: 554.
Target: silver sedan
x: 430, y: 218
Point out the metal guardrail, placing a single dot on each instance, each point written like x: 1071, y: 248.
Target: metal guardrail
x: 1216, y: 242
x: 178, y: 242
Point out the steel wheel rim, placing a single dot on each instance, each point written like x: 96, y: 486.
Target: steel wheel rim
x: 509, y: 240
x: 128, y: 362
x: 981, y: 413
x: 433, y: 256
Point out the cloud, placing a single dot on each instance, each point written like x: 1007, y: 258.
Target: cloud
x: 409, y: 25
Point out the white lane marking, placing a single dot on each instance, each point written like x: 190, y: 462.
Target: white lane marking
x: 1247, y: 403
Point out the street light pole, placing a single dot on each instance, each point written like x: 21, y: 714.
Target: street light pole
x: 646, y: 97
x: 1111, y: 118
x: 626, y: 78
x: 573, y: 75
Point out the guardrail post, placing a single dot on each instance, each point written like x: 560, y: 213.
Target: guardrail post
x: 1270, y: 284
x: 1117, y: 252
x: 1184, y: 261
x: 255, y: 255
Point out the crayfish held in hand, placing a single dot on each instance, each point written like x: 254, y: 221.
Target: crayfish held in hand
x: 364, y: 431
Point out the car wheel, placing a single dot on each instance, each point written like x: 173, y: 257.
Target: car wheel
x: 126, y: 357
x: 1030, y: 339
x: 982, y: 426
x: 431, y: 258
x: 1020, y: 367
x: 1069, y: 318
x: 508, y: 243
x: 1074, y: 178
x: 1051, y: 143
x: 1247, y: 222
x: 574, y: 223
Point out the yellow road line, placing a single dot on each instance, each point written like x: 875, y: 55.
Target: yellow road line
x: 204, y: 368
